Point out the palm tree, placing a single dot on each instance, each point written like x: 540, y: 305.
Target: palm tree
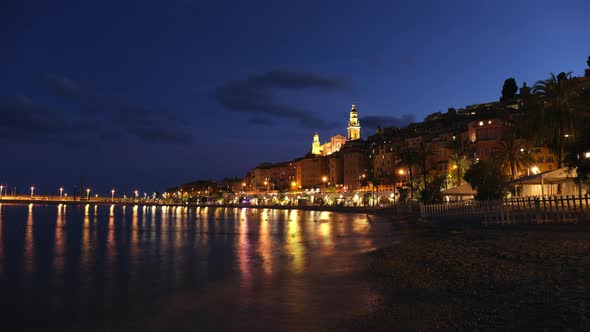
x: 512, y: 155
x: 556, y: 111
x: 460, y: 164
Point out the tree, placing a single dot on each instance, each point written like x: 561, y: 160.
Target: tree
x: 423, y: 153
x: 577, y: 159
x: 512, y: 155
x: 432, y: 190
x: 509, y: 89
x: 408, y: 159
x: 488, y: 180
x: 587, y: 71
x: 459, y: 164
x: 555, y: 112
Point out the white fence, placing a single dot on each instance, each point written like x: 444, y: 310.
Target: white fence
x: 536, y: 210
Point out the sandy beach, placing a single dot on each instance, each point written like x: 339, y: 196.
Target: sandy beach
x: 516, y: 278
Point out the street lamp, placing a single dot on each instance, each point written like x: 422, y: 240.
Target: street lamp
x: 136, y: 193
x: 88, y: 194
x: 1, y: 188
x: 32, y: 190
x: 113, y: 195
x: 324, y: 179
x: 61, y: 190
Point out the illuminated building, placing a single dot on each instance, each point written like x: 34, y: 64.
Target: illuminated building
x: 354, y: 126
x: 269, y: 176
x: 326, y: 149
x: 337, y: 142
x: 310, y: 171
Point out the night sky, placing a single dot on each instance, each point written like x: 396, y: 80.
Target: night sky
x: 148, y: 94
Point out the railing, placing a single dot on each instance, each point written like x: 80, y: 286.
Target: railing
x: 521, y: 210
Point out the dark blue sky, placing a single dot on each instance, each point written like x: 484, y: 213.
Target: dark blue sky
x: 149, y: 93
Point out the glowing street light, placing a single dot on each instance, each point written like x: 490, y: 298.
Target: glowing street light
x: 113, y: 195
x: 587, y: 155
x: 32, y: 191
x: 87, y: 193
x: 136, y: 193
x: 401, y: 171
x: 61, y: 191
x: 1, y: 188
x: 535, y: 170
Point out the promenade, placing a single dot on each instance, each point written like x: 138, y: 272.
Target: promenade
x: 46, y: 200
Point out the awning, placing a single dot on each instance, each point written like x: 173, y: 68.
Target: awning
x: 557, y: 176
x: 463, y: 190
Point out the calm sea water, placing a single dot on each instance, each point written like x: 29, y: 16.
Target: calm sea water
x: 105, y: 268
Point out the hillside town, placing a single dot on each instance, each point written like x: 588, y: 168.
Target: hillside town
x: 533, y: 141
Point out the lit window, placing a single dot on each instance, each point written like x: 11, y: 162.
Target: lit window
x: 481, y: 123
x: 489, y: 122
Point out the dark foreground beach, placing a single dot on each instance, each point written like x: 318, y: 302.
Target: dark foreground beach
x: 445, y: 278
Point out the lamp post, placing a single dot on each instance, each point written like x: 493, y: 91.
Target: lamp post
x: 32, y: 191
x: 112, y: 195
x: 136, y: 193
x: 88, y: 194
x: 1, y: 188
x: 324, y: 179
x: 61, y: 190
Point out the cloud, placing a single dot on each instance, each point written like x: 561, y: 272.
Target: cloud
x: 384, y: 121
x: 23, y: 120
x: 256, y: 95
x: 60, y: 86
x: 126, y: 118
x: 261, y: 121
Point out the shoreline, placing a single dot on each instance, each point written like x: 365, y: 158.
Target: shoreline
x: 377, y: 211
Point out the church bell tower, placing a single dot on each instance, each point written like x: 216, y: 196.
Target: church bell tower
x: 354, y: 126
x: 315, y: 146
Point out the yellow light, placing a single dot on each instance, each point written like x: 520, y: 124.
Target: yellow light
x: 454, y: 166
x: 324, y: 179
x: 293, y: 184
x: 587, y: 154
x: 401, y: 172
x: 535, y: 170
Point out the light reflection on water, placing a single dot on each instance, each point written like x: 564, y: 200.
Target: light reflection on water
x: 154, y: 268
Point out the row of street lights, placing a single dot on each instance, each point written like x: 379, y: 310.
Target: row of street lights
x: 62, y: 194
